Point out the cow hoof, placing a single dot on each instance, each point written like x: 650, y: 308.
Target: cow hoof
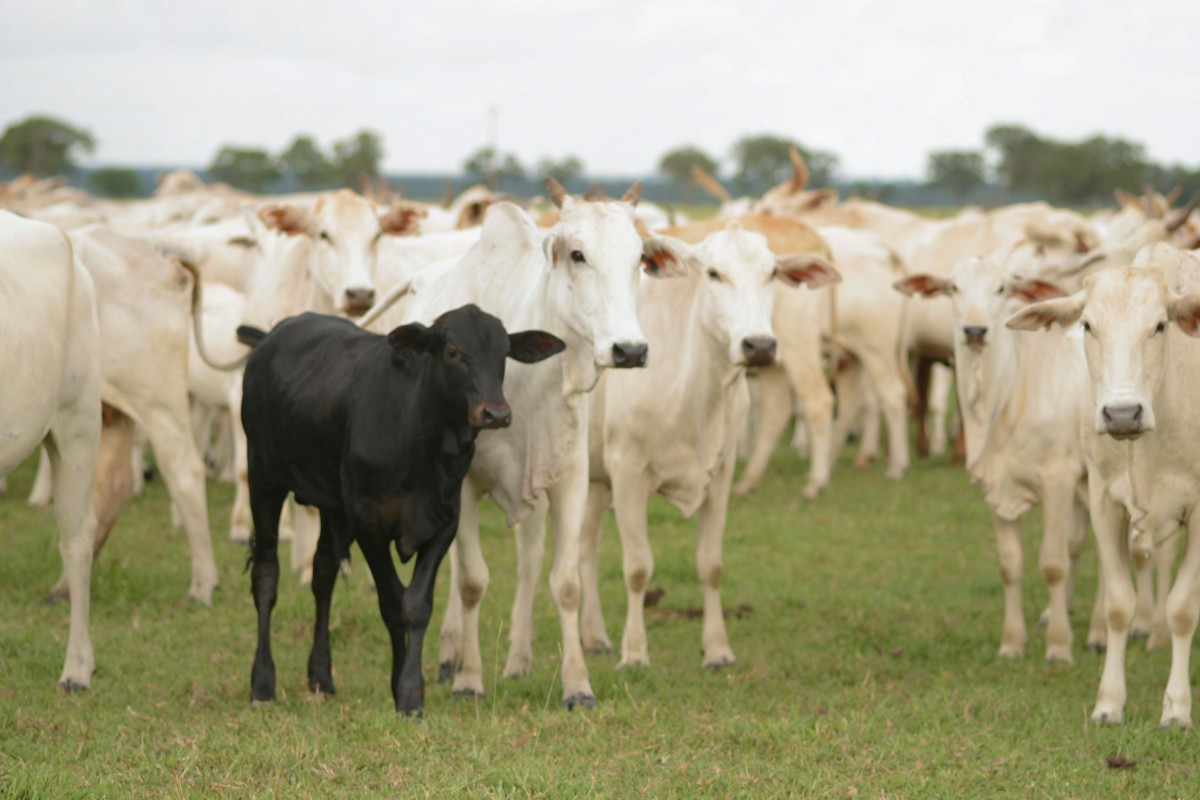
x: 517, y: 666
x: 636, y: 663
x: 1139, y: 633
x: 811, y: 492
x: 201, y: 595
x: 581, y: 699
x: 717, y: 666
x: 467, y: 694
x: 598, y: 650
x: 1060, y: 658
x: 70, y: 686
x: 1106, y: 718
x: 56, y: 596
x: 1096, y: 647
x: 446, y: 672
x: 260, y: 704
x: 322, y: 688
x: 415, y: 714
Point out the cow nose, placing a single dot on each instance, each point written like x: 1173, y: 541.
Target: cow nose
x: 1123, y: 422
x: 759, y: 350
x: 630, y: 354
x: 359, y: 299
x: 975, y: 333
x: 496, y: 416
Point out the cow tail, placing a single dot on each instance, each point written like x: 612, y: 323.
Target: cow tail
x: 197, y: 321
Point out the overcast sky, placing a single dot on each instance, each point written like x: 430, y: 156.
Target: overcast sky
x: 616, y: 82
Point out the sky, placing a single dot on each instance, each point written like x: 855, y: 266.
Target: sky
x: 616, y: 82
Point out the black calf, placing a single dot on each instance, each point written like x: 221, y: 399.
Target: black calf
x: 377, y: 432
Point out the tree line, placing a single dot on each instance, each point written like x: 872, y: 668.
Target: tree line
x: 1013, y: 157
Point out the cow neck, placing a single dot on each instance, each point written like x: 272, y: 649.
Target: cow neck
x: 986, y: 379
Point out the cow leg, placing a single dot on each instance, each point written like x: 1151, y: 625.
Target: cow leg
x: 239, y: 517
x: 775, y: 399
x: 887, y: 387
x: 472, y: 584
x: 1012, y: 568
x: 71, y: 447
x: 183, y: 471
x: 390, y: 592
x: 531, y: 550
x: 921, y: 412
x: 851, y: 406
x: 42, y: 491
x: 418, y: 608
x: 324, y: 576
x: 112, y: 488
x: 591, y: 621
x: 568, y: 499
x: 1164, y: 564
x: 714, y: 641
x: 868, y: 441
x: 305, y: 538
x: 265, y: 504
x: 1054, y: 559
x: 1111, y: 525
x: 450, y: 638
x: 1182, y: 609
x: 1097, y: 640
x: 807, y: 379
x: 631, y: 493
x: 1143, y: 612
x: 940, y: 381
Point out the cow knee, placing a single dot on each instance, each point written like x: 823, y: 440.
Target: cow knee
x: 471, y: 592
x: 566, y: 594
x: 712, y: 576
x: 1181, y: 616
x: 1053, y: 573
x: 637, y: 578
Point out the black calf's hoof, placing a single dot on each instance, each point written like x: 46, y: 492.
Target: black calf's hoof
x: 446, y: 672
x: 582, y: 699
x: 322, y: 687
x: 260, y: 704
x: 415, y: 714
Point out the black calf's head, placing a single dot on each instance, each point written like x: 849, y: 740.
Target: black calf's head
x: 468, y: 348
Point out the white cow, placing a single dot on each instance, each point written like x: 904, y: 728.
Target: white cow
x: 1019, y: 397
x: 673, y: 427
x: 579, y: 281
x: 1140, y: 428
x: 51, y: 367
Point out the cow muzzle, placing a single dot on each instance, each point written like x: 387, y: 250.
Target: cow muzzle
x: 975, y: 334
x: 359, y: 301
x: 758, y: 351
x: 627, y: 355
x: 490, y: 415
x: 1125, y: 421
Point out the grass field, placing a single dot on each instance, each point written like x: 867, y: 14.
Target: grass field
x: 866, y: 667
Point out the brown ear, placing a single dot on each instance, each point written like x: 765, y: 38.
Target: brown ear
x: 800, y: 173
x: 472, y: 214
x: 633, y: 194
x: 820, y: 197
x: 1185, y: 312
x: 403, y: 218
x: 530, y: 347
x: 1063, y: 310
x: 285, y: 218
x: 923, y: 284
x: 809, y: 269
x: 1032, y: 290
x: 664, y: 257
x: 558, y: 195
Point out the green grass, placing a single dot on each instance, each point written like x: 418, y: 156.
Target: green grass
x: 866, y: 668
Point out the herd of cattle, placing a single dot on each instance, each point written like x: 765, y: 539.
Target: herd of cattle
x: 348, y: 350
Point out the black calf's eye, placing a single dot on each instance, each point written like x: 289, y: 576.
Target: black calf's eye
x: 577, y: 256
x: 451, y: 351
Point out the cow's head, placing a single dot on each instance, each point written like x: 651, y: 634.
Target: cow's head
x: 984, y: 293
x: 737, y: 276
x: 464, y: 352
x: 1128, y: 315
x: 596, y: 257
x: 345, y: 233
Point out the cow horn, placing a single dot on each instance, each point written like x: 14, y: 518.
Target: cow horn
x: 710, y: 184
x: 1180, y: 217
x: 800, y: 175
x: 1173, y: 195
x: 558, y: 195
x: 633, y: 195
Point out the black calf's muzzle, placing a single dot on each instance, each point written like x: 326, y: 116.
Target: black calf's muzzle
x: 491, y: 415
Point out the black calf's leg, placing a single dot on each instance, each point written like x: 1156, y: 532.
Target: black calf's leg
x: 266, y: 502
x: 391, y: 599
x: 418, y: 608
x: 325, y: 571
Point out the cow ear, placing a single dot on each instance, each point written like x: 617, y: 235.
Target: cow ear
x: 286, y: 218
x: 403, y: 218
x: 1065, y: 311
x: 411, y: 338
x: 530, y: 347
x: 1032, y: 290
x: 808, y: 269
x: 664, y: 257
x: 923, y: 284
x: 1185, y: 312
x: 633, y: 194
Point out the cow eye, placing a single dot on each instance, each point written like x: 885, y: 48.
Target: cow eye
x: 1000, y: 290
x: 953, y: 288
x: 325, y: 237
x: 1162, y: 326
x: 452, y: 351
x: 714, y: 275
x: 1086, y: 327
x: 577, y: 256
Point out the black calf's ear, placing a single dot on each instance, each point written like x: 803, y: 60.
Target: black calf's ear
x: 413, y: 337
x: 530, y: 347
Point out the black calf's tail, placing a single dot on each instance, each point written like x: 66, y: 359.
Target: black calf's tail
x: 250, y: 336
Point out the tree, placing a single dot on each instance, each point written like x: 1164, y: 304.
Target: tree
x: 960, y: 171
x: 357, y: 157
x: 677, y: 165
x: 251, y: 169
x: 564, y: 170
x: 307, y: 163
x: 43, y: 146
x: 115, y: 182
x: 489, y: 166
x: 1021, y: 155
x: 763, y: 162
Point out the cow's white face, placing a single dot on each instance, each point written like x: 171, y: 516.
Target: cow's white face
x: 345, y: 234
x: 596, y: 256
x: 739, y: 275
x: 1127, y: 315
